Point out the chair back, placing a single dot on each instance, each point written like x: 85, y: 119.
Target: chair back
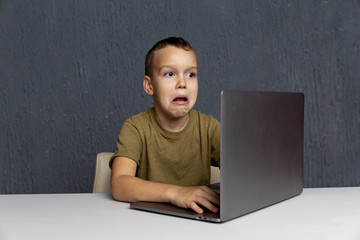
x: 102, y: 173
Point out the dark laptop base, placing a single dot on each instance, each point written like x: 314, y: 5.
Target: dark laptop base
x: 169, y: 209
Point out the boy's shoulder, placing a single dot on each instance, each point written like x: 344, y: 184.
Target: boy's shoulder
x: 204, y: 121
x: 142, y: 117
x: 202, y: 116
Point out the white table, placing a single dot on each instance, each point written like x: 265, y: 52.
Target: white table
x: 323, y: 213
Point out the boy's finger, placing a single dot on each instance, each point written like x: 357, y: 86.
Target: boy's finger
x: 212, y: 197
x: 207, y: 204
x: 196, y: 208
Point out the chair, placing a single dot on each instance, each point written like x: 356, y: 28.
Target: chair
x: 214, y: 175
x: 103, y: 173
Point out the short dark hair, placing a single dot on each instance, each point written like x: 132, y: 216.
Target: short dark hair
x: 173, y: 41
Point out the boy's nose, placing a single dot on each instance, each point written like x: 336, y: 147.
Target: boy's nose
x: 181, y: 82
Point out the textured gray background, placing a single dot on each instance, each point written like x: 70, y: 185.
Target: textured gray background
x: 71, y: 73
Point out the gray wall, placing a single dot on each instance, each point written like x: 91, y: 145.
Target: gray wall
x: 71, y: 73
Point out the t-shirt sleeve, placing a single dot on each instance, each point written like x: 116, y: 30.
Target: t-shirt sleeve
x: 215, y: 143
x: 128, y: 144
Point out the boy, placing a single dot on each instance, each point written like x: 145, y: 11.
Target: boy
x: 165, y: 153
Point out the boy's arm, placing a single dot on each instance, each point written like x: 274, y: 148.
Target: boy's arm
x: 126, y: 187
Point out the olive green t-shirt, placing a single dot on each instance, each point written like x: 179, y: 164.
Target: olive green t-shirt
x: 181, y: 158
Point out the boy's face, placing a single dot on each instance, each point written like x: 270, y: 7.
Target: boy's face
x: 174, y: 83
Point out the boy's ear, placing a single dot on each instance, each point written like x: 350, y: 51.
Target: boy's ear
x: 148, y: 85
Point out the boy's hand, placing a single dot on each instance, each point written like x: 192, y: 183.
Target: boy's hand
x: 194, y: 197
x: 126, y: 187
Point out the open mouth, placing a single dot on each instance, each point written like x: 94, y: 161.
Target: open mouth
x: 180, y: 100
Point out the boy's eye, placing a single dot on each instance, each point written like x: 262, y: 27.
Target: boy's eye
x: 191, y: 75
x: 169, y: 74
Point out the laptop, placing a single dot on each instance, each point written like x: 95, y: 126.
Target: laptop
x: 261, y: 154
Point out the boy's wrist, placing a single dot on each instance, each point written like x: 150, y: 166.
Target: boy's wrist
x: 170, y: 193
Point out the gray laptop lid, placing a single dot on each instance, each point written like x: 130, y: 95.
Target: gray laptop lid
x: 261, y: 154
x: 262, y: 135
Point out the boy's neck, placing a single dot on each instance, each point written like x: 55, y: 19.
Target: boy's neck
x: 172, y: 124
